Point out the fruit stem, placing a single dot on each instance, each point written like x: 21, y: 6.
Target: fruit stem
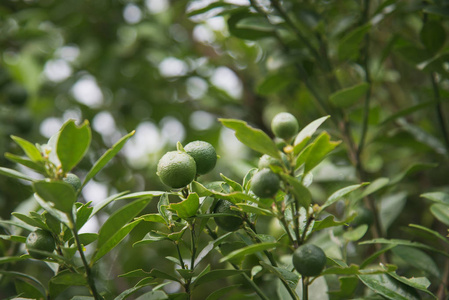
x: 305, y: 288
x: 90, y: 280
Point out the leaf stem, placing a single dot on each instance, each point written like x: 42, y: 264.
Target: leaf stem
x: 90, y: 280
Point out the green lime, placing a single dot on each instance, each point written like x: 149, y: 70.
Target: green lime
x: 265, y: 183
x: 228, y: 223
x: 309, y: 260
x: 40, y: 240
x: 176, y: 169
x: 284, y: 125
x: 73, y: 180
x: 204, y: 155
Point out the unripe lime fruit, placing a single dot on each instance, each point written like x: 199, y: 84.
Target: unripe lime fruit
x: 40, y: 240
x: 176, y: 169
x: 284, y: 125
x: 265, y: 183
x: 309, y: 260
x: 204, y: 155
x: 227, y: 223
x: 73, y: 180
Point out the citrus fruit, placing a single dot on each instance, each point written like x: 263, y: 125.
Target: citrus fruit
x: 266, y: 160
x: 204, y: 155
x: 265, y: 183
x: 309, y: 260
x: 227, y: 223
x: 284, y: 125
x: 176, y: 169
x: 40, y: 240
x: 73, y: 180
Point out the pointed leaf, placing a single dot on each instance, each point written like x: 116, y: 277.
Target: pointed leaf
x: 431, y: 232
x: 301, y: 193
x: 341, y: 193
x: 14, y: 174
x: 114, y: 240
x: 441, y: 212
x: 248, y: 250
x: 418, y: 259
x: 30, y: 150
x: 72, y: 144
x: 388, y: 287
x: 286, y: 276
x: 255, y: 210
x: 438, y: 197
x: 214, y: 275
x: 349, y: 45
x: 306, y: 134
x: 153, y: 218
x: 404, y: 243
x: 119, y: 219
x: 349, y: 96
x: 36, y: 166
x: 356, y: 234
x: 254, y: 138
x: 218, y: 294
x: 316, y: 152
x: 61, y: 194
x: 68, y: 278
x: 106, y: 157
x: 186, y: 208
x: 102, y: 204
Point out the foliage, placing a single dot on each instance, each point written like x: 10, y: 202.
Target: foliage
x: 367, y: 82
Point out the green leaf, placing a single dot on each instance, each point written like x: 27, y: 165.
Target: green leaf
x: 439, y: 197
x: 329, y: 221
x: 349, y: 96
x: 404, y: 243
x: 340, y: 194
x: 61, y: 194
x: 114, y: 240
x: 419, y: 283
x: 375, y: 186
x: 431, y: 232
x: 154, y: 295
x: 119, y: 218
x: 254, y: 138
x: 83, y: 214
x: 441, y: 212
x: 68, y: 278
x: 163, y: 210
x: 410, y: 170
x: 73, y: 143
x: 432, y: 36
x: 389, y: 287
x: 60, y: 216
x: 391, y: 206
x: 283, y: 274
x: 233, y: 184
x: 220, y: 293
x: 125, y: 294
x: 254, y: 31
x: 102, y: 204
x: 14, y: 174
x: 186, y: 208
x: 301, y: 193
x: 155, y: 273
x: 306, y: 134
x: 152, y: 237
x: 30, y: 221
x: 27, y: 290
x: 274, y: 83
x: 338, y: 270
x: 30, y: 150
x: 25, y: 276
x: 356, y: 234
x: 313, y: 154
x: 209, y: 8
x: 417, y: 259
x: 36, y: 166
x: 255, y: 210
x: 10, y: 259
x: 106, y: 157
x: 248, y: 250
x: 214, y: 275
x: 234, y: 197
x: 153, y: 218
x: 349, y: 45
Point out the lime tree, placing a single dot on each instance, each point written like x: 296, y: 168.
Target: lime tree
x: 176, y: 169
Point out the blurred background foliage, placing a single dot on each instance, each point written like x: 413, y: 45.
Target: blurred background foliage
x: 170, y: 69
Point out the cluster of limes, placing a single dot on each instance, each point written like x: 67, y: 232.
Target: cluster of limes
x: 178, y: 168
x: 265, y: 183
